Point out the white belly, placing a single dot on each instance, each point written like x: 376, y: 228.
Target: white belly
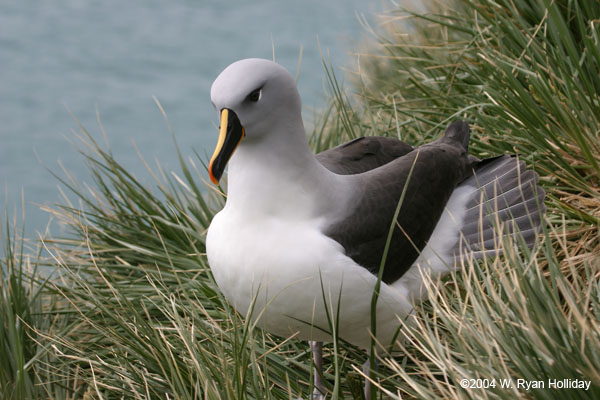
x: 288, y: 276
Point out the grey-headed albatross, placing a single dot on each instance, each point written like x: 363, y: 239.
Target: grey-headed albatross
x: 300, y: 241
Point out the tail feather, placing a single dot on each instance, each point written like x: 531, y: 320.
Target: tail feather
x: 528, y: 236
x: 505, y: 199
x: 495, y: 196
x: 491, y: 235
x: 499, y: 201
x: 508, y: 179
x: 521, y: 213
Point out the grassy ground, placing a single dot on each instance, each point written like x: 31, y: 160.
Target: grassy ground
x: 134, y: 313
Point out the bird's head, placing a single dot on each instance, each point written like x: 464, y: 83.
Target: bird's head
x: 254, y: 98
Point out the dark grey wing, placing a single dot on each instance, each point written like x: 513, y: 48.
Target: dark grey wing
x: 438, y: 169
x: 362, y: 154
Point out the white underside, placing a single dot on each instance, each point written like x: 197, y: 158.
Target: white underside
x: 292, y: 279
x: 437, y: 257
x: 295, y: 276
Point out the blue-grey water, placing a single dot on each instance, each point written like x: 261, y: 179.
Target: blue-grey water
x: 80, y: 57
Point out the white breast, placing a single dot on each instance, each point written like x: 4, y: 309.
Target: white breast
x: 294, y: 275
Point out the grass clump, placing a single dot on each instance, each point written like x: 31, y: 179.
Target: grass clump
x: 506, y: 328
x: 30, y: 311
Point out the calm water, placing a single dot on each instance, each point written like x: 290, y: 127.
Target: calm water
x: 113, y: 56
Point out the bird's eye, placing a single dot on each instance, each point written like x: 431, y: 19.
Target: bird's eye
x: 254, y: 96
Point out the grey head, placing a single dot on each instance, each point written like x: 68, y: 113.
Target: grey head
x: 257, y: 101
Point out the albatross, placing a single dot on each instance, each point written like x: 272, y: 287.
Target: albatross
x: 301, y: 239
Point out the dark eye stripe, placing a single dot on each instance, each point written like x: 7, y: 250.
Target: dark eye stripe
x: 254, y: 96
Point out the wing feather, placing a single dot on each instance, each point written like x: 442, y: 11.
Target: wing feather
x: 362, y: 154
x: 438, y: 168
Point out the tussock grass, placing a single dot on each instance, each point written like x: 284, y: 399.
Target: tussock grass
x: 525, y: 74
x: 504, y: 324
x: 29, y: 310
x: 133, y: 312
